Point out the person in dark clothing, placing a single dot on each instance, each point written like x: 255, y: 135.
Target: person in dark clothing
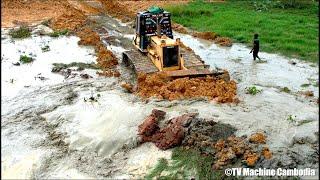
x: 255, y: 48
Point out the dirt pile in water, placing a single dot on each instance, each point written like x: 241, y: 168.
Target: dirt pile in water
x: 179, y: 28
x: 109, y: 73
x: 106, y: 59
x: 219, y: 141
x: 76, y: 21
x: 258, y: 138
x: 150, y: 124
x: 222, y: 41
x: 167, y: 137
x: 88, y: 37
x: 162, y: 87
x: 206, y: 136
x: 205, y: 35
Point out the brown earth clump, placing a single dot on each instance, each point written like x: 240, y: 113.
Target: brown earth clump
x: 223, y: 41
x: 71, y: 20
x: 106, y: 59
x: 258, y: 138
x: 307, y: 93
x: 76, y: 21
x: 85, y: 7
x: 238, y: 148
x: 162, y: 87
x: 118, y: 10
x: 182, y: 45
x: 251, y: 158
x: 266, y: 153
x: 167, y: 137
x: 150, y: 124
x: 205, y: 35
x: 109, y: 73
x: 127, y: 86
x: 179, y: 28
x: 88, y: 37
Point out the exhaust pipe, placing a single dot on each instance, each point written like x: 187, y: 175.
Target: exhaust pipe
x: 158, y: 28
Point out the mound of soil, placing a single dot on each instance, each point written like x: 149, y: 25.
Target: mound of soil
x: 109, y: 73
x: 258, y: 138
x: 206, y: 136
x: 167, y: 137
x: 106, y: 59
x: 162, y: 87
x: 71, y: 20
x: 223, y: 41
x: 205, y: 35
x: 179, y: 28
x: 118, y: 10
x: 88, y: 37
x: 76, y: 21
x: 21, y: 12
x: 128, y: 87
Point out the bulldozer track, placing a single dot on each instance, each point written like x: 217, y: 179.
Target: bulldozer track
x: 140, y: 63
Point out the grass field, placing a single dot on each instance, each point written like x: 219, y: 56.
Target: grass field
x: 289, y: 30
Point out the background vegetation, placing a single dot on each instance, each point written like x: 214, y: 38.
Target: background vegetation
x: 288, y: 27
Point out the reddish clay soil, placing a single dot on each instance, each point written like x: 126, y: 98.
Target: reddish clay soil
x: 19, y: 12
x: 71, y: 20
x: 205, y: 35
x: 258, y: 138
x: 162, y: 87
x: 31, y: 12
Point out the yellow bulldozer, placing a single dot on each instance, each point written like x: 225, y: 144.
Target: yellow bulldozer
x: 155, y: 49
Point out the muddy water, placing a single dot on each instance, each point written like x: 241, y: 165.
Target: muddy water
x: 55, y: 131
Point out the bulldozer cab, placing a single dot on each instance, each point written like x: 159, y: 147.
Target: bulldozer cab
x: 154, y: 21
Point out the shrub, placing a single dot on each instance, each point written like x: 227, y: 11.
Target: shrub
x: 22, y: 32
x: 59, y: 33
x: 253, y: 90
x: 25, y: 59
x: 45, y: 48
x: 286, y: 90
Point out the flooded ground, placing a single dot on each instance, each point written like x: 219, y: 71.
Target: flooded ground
x: 52, y: 128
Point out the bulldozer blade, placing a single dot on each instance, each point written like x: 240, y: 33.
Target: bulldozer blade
x: 192, y: 73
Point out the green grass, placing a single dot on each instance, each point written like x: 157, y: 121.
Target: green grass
x: 185, y: 164
x: 285, y: 89
x: 253, y: 90
x: 305, y: 85
x: 59, y: 33
x: 292, y: 118
x: 22, y: 32
x: 45, y: 48
x: 291, y: 30
x: 25, y: 59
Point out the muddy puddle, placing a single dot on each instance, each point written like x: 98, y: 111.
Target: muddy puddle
x: 87, y: 128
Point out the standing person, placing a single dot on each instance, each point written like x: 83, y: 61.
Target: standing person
x: 255, y: 48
